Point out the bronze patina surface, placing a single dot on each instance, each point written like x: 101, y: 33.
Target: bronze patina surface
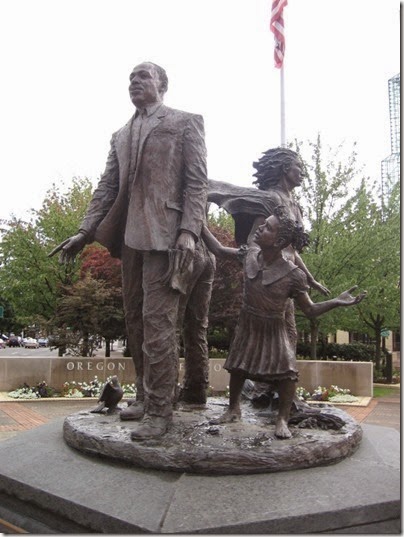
x: 193, y: 444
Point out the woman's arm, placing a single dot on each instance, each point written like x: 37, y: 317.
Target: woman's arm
x: 310, y: 280
x: 215, y: 246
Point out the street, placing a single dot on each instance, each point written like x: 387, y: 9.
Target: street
x: 41, y: 352
x: 45, y: 352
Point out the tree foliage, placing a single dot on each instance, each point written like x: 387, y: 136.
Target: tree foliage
x: 88, y: 310
x: 97, y: 261
x: 30, y: 281
x: 228, y: 283
x: 85, y: 296
x: 8, y: 324
x: 354, y: 241
x: 381, y: 277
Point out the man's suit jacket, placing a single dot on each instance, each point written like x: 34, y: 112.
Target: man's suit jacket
x: 146, y: 206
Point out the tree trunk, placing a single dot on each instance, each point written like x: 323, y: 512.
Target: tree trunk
x: 388, y: 363
x: 378, y: 353
x: 378, y: 341
x: 322, y: 343
x: 376, y: 324
x: 85, y: 345
x: 62, y: 348
x: 107, y: 348
x: 389, y: 368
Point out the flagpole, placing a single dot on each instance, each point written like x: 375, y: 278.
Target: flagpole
x: 276, y: 26
x: 282, y: 88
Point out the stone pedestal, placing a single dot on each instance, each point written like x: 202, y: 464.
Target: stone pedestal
x: 48, y: 487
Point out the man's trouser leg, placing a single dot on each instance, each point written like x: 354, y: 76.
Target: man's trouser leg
x: 160, y: 311
x: 196, y: 378
x: 132, y: 291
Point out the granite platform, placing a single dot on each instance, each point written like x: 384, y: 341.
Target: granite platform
x: 48, y: 487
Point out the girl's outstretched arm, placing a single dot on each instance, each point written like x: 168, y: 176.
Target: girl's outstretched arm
x: 311, y: 309
x: 215, y: 246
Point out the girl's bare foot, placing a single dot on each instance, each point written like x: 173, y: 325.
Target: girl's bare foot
x: 282, y: 430
x: 229, y: 416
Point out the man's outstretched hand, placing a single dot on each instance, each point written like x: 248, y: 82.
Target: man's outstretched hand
x: 69, y: 248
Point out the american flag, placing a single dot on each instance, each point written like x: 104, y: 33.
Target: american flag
x: 277, y: 27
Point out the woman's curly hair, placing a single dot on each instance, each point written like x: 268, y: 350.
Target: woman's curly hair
x: 270, y: 166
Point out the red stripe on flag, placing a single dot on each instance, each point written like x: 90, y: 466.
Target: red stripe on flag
x: 277, y: 27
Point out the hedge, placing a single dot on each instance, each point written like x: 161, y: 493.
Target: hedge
x: 355, y: 352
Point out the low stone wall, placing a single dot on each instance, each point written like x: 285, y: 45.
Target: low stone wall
x: 14, y: 371
x: 55, y: 371
x: 356, y: 376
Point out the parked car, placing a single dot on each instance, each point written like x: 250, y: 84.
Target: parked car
x: 43, y: 342
x: 13, y: 341
x: 30, y: 343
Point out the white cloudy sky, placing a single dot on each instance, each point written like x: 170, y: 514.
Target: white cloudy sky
x: 65, y: 67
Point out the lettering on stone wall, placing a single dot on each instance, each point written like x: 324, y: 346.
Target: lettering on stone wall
x: 216, y: 367
x: 97, y: 366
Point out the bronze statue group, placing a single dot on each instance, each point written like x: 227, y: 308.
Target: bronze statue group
x: 150, y: 209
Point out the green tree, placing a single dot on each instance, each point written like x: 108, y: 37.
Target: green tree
x: 8, y: 323
x: 96, y: 261
x: 29, y: 280
x: 88, y: 310
x: 379, y: 271
x: 353, y: 241
x: 327, y: 198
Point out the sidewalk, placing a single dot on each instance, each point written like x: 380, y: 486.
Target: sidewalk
x: 17, y: 416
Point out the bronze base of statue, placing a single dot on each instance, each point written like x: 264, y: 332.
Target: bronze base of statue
x: 193, y: 443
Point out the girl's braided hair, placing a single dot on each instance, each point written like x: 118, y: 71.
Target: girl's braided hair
x: 290, y: 231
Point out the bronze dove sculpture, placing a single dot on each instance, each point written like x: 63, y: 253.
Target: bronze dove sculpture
x: 110, y: 396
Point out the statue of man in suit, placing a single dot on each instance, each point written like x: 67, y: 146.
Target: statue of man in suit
x: 148, y: 209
